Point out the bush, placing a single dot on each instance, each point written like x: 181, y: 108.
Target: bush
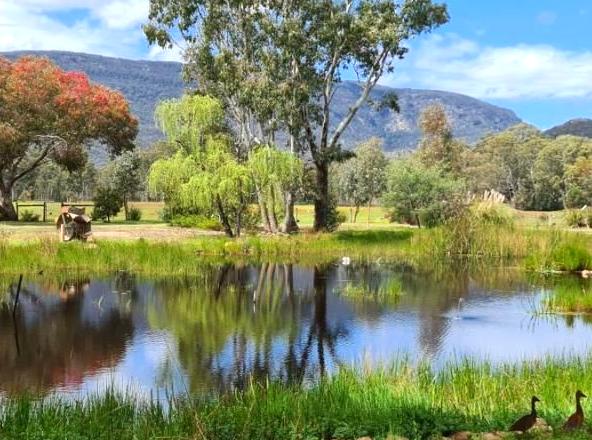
x: 108, y: 203
x: 334, y: 217
x: 134, y: 215
x: 166, y: 214
x: 483, y: 229
x: 576, y: 218
x: 196, y: 221
x: 492, y: 214
x: 29, y: 217
x: 425, y: 195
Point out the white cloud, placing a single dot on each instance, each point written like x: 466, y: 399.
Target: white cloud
x: 116, y: 14
x: 156, y: 53
x: 106, y: 27
x: 123, y: 14
x: 448, y: 62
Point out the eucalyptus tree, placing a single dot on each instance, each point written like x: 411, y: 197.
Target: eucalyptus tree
x: 578, y: 178
x: 504, y: 162
x: 437, y: 146
x: 203, y: 174
x: 276, y: 64
x: 127, y: 178
x: 362, y: 179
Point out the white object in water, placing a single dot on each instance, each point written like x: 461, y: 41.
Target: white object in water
x: 345, y: 261
x: 459, y: 309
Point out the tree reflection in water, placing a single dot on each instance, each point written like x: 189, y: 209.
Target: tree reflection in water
x: 56, y: 338
x: 238, y: 324
x: 225, y: 326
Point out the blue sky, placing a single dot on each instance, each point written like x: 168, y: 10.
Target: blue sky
x: 532, y: 56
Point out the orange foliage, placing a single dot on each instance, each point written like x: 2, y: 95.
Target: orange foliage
x: 37, y: 98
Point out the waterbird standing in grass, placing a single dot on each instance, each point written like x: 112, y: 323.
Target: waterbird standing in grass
x: 576, y: 420
x: 525, y: 423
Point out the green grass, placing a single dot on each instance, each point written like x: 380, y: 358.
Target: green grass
x: 401, y: 400
x: 536, y: 250
x: 150, y: 210
x: 388, y: 291
x: 570, y: 296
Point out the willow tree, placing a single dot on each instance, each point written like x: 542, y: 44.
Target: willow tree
x: 276, y: 64
x: 275, y: 174
x: 203, y: 174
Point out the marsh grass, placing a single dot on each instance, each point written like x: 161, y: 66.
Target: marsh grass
x: 415, y: 402
x: 570, y: 295
x: 537, y: 250
x: 389, y: 291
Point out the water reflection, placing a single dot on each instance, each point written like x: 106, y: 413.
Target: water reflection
x: 228, y: 325
x: 58, y: 336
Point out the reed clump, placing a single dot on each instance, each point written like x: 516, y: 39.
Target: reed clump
x: 571, y: 296
x: 412, y: 401
x: 387, y: 291
x: 474, y: 238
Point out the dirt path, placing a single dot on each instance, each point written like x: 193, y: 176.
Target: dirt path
x: 154, y: 232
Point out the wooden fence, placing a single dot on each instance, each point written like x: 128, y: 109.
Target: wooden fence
x: 44, y: 205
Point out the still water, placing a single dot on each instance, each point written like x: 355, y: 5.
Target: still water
x: 227, y: 325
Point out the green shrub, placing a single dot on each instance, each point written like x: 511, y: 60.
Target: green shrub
x: 483, y: 229
x: 196, y: 221
x: 576, y: 218
x: 492, y: 214
x: 134, y: 215
x: 166, y: 214
x: 334, y: 217
x: 108, y: 203
x: 29, y: 217
x: 419, y: 194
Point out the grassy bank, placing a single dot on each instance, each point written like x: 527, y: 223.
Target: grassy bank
x: 402, y: 400
x: 536, y: 250
x: 569, y: 296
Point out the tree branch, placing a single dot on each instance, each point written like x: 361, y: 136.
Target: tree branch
x: 371, y: 81
x: 37, y: 162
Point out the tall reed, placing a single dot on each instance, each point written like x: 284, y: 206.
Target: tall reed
x: 413, y: 401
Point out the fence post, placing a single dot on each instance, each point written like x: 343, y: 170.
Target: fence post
x: 44, y: 212
x: 17, y: 211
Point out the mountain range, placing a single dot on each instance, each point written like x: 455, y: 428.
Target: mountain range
x: 145, y: 83
x: 575, y: 127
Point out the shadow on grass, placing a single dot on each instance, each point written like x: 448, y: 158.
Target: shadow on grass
x: 374, y: 237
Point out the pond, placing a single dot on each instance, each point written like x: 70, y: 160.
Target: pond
x: 228, y: 325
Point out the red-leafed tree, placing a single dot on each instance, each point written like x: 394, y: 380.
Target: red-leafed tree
x: 49, y: 114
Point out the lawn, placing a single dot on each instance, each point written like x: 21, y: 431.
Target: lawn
x: 375, y: 217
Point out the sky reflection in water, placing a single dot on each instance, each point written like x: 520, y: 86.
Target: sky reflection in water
x: 228, y: 325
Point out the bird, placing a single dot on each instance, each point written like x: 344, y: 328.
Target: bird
x: 528, y: 421
x: 576, y: 420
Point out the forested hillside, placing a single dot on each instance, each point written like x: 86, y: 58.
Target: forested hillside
x: 145, y: 83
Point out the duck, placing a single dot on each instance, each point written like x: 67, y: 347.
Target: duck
x: 525, y: 423
x: 576, y: 420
